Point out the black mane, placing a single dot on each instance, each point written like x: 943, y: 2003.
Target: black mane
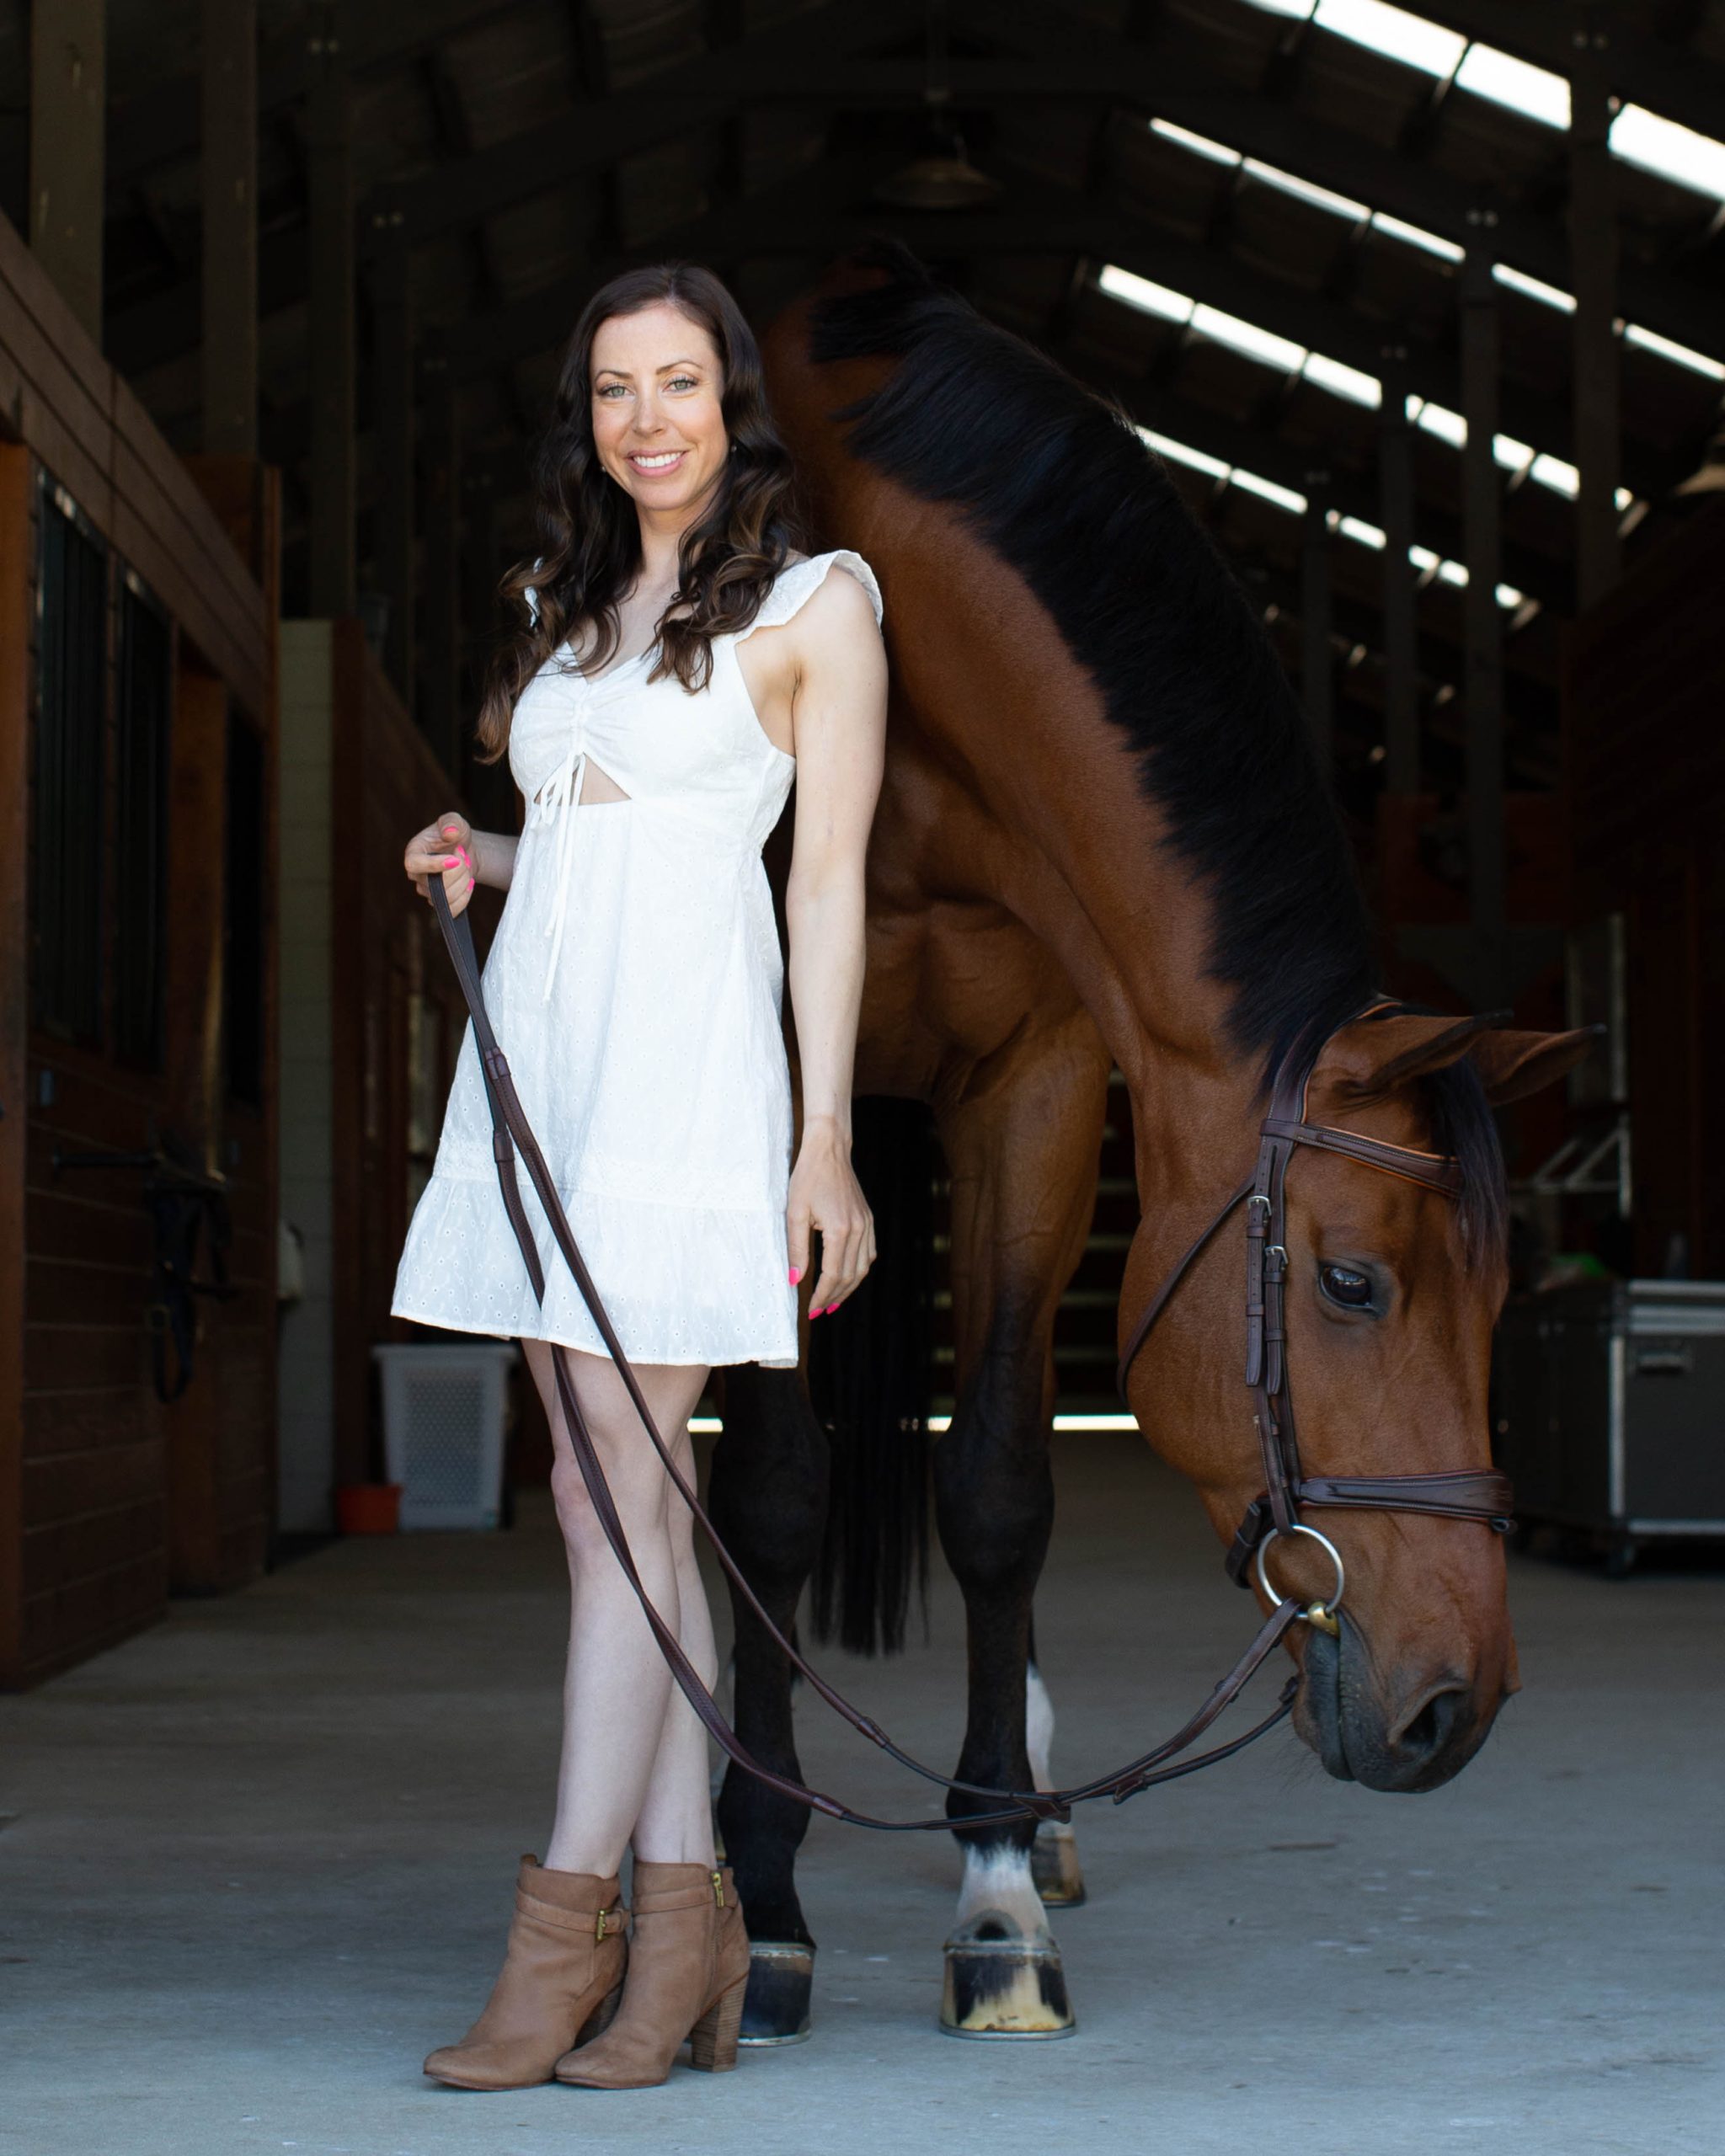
x: 1057, y: 482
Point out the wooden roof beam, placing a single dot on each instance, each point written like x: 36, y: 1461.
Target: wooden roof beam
x: 1680, y: 85
x: 660, y: 109
x: 1354, y: 494
x: 161, y: 124
x: 1147, y: 75
x: 593, y: 135
x: 1336, y: 331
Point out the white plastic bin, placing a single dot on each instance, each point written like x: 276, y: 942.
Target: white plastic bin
x: 444, y: 1410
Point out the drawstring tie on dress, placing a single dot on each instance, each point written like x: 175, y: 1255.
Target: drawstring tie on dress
x: 560, y: 797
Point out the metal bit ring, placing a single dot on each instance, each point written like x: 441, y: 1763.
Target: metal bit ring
x: 1321, y: 1614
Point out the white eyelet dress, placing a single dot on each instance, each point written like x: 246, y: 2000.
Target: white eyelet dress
x: 636, y: 987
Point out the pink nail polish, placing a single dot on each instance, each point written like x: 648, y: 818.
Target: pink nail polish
x: 796, y: 1274
x: 470, y: 883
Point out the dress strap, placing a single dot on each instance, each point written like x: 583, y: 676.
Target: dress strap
x: 795, y: 586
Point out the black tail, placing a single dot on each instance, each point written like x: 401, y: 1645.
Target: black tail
x: 870, y: 1379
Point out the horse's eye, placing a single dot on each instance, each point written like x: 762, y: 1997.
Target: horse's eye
x: 1346, y: 1284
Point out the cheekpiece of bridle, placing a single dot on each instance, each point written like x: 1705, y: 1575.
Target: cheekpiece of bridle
x: 1482, y: 1494
x: 512, y: 1139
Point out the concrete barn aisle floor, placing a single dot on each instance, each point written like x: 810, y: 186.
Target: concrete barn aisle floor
x: 259, y: 1861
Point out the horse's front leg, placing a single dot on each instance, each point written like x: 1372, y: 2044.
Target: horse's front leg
x: 1054, y: 1856
x: 1022, y: 1152
x: 768, y: 1501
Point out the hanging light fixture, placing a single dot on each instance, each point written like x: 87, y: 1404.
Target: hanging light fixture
x: 941, y: 176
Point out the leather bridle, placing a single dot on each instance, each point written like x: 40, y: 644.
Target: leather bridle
x: 1482, y: 1494
x: 1165, y: 1761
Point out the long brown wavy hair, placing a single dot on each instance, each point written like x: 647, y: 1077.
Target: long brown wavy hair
x: 590, y: 536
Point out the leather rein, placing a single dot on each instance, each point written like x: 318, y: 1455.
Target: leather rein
x: 513, y: 1138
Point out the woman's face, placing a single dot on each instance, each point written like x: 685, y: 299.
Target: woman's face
x: 657, y: 421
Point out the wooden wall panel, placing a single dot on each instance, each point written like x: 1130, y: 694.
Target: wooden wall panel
x: 98, y: 1479
x: 93, y: 1436
x: 84, y: 424
x: 162, y: 522
x: 55, y: 390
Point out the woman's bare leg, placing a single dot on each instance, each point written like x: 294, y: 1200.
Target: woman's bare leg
x: 621, y: 1740
x: 676, y: 1824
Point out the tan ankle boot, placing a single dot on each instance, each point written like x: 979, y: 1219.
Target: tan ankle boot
x: 688, y: 1970
x: 560, y: 1982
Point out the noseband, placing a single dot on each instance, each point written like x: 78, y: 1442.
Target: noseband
x: 1483, y: 1494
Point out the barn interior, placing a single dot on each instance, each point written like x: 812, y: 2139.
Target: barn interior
x: 1420, y: 310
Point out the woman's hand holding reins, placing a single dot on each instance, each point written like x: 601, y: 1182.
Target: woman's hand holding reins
x: 465, y: 858
x: 444, y: 848
x: 825, y: 1193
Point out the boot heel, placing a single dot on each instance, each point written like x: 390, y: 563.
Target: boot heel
x: 712, y: 2040
x: 601, y: 2019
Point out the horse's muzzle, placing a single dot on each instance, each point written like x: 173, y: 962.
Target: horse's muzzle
x: 1417, y: 1741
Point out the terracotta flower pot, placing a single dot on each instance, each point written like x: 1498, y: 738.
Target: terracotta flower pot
x: 368, y: 1507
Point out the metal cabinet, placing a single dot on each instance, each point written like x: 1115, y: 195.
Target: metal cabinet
x: 1610, y: 1401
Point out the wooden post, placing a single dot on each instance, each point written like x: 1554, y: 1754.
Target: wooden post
x: 482, y: 571
x: 1594, y: 250
x: 329, y: 322
x: 442, y: 637
x: 193, y: 1026
x: 489, y: 790
x: 1483, y: 654
x: 230, y: 346
x: 68, y: 133
x: 1401, y: 771
x: 394, y: 400
x: 16, y: 552
x: 1317, y: 612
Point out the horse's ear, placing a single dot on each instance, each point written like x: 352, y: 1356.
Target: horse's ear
x: 1370, y: 1059
x: 1515, y: 1064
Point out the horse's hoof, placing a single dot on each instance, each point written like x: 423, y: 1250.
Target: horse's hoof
x: 1054, y: 1868
x: 1001, y: 1983
x: 780, y: 1982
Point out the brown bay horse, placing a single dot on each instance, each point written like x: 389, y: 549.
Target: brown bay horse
x: 1103, y: 838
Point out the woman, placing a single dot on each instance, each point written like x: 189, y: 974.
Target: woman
x: 636, y: 985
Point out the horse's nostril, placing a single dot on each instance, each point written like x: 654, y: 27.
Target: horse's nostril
x: 1433, y: 1727
x: 1425, y: 1731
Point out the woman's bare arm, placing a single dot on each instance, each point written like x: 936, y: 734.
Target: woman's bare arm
x: 840, y: 718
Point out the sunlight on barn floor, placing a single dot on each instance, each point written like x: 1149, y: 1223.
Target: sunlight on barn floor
x: 260, y: 1860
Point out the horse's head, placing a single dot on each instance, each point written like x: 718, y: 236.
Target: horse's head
x: 1391, y: 1290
